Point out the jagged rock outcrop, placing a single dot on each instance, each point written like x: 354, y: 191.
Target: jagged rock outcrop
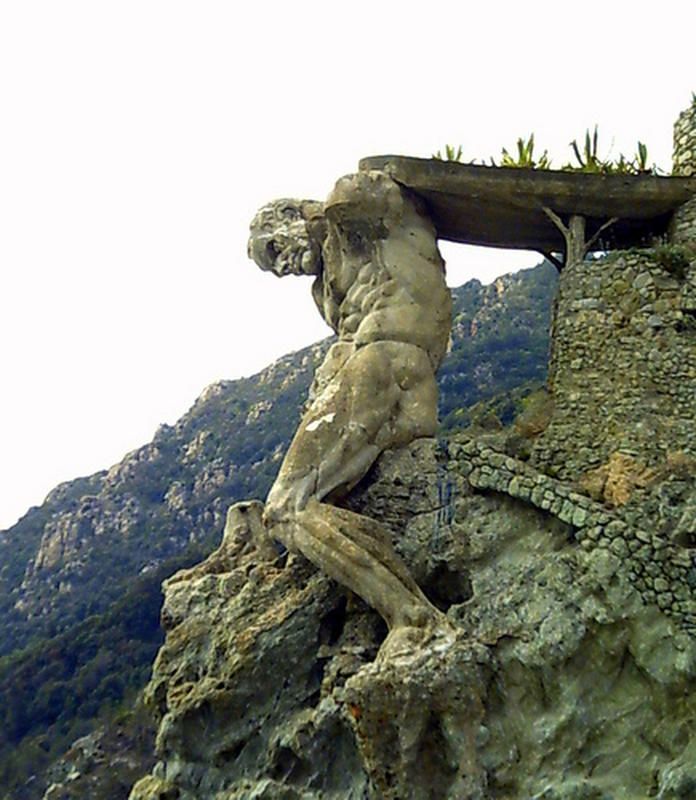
x: 104, y: 763
x: 563, y: 681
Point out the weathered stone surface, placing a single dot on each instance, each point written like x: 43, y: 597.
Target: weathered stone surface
x: 684, y: 158
x: 238, y: 681
x: 503, y: 206
x: 615, y: 481
x: 683, y: 224
x: 268, y: 687
x: 380, y: 284
x: 623, y: 388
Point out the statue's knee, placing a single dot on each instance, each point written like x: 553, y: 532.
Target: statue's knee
x: 274, y: 513
x: 242, y: 522
x: 288, y: 497
x: 280, y: 505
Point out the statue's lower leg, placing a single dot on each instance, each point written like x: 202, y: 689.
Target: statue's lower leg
x: 356, y: 551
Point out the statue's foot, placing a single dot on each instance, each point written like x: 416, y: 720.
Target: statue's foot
x: 409, y: 642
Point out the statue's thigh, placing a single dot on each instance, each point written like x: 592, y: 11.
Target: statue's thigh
x: 385, y: 393
x: 349, y: 414
x: 383, y: 396
x: 362, y: 395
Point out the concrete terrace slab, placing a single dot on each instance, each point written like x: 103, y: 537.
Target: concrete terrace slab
x: 503, y: 206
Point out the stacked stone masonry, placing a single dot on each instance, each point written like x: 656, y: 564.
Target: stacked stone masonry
x: 622, y: 372
x: 683, y: 227
x: 685, y: 143
x: 684, y: 164
x: 663, y: 573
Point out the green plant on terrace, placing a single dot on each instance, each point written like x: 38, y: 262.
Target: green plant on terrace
x: 587, y: 157
x: 589, y: 160
x: 673, y: 258
x: 450, y: 153
x: 641, y: 159
x: 525, y: 156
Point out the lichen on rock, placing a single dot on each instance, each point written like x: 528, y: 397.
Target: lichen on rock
x: 267, y: 685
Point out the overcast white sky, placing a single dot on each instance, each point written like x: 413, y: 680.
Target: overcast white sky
x: 137, y: 140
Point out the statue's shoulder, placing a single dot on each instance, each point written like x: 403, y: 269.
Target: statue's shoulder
x: 369, y: 195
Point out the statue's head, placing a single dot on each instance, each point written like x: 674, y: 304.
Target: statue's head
x: 283, y: 237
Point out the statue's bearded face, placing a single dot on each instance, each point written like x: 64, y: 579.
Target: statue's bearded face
x: 280, y: 241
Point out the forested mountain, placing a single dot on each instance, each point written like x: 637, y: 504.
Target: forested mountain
x: 80, y: 575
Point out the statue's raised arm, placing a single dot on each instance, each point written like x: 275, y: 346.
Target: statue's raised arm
x: 380, y: 285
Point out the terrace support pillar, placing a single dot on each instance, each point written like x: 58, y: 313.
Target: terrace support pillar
x: 575, y: 239
x: 574, y: 234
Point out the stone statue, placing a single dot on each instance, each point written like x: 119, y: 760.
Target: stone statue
x: 380, y: 285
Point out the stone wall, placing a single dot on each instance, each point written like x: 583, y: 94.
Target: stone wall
x: 622, y: 372
x: 662, y: 570
x: 683, y: 225
x: 685, y: 143
x: 684, y: 163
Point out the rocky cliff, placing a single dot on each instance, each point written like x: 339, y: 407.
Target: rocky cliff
x: 565, y: 680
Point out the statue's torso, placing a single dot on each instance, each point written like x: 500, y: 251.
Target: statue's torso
x: 386, y: 289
